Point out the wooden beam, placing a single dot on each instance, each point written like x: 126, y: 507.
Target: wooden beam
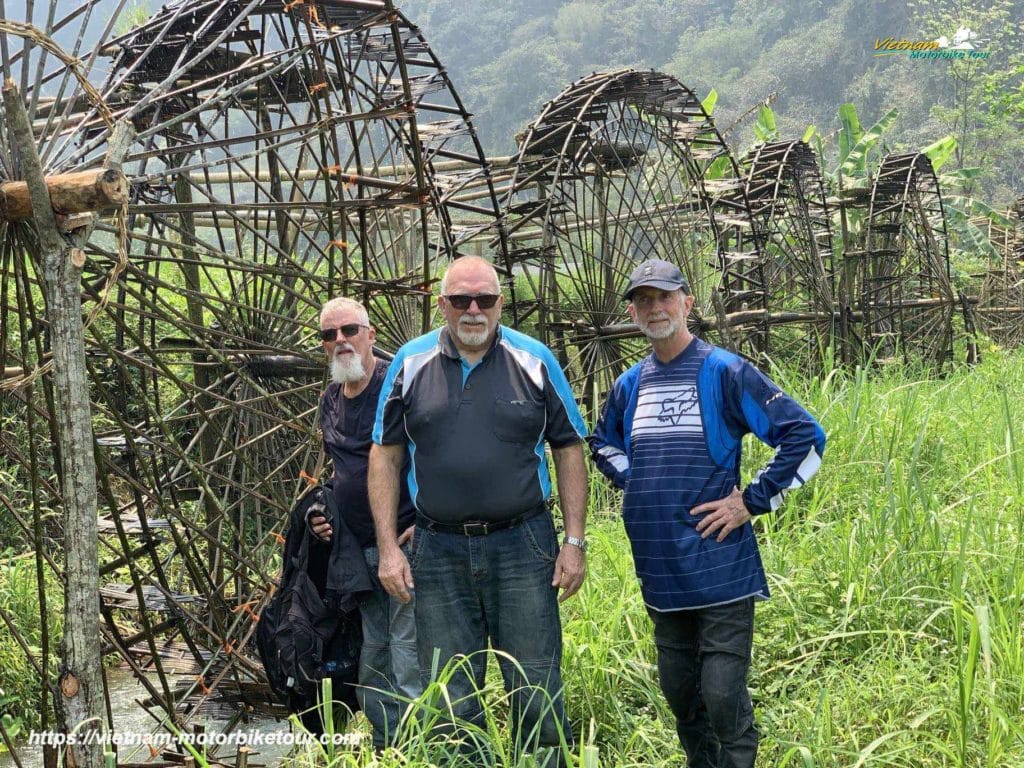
x: 70, y: 193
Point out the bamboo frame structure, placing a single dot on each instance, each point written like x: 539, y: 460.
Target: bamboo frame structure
x: 793, y: 222
x: 284, y: 154
x: 619, y: 167
x: 1001, y: 286
x: 907, y: 260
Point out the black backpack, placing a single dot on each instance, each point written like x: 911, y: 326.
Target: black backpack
x: 307, y: 633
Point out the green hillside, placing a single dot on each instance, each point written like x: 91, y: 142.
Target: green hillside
x: 508, y: 58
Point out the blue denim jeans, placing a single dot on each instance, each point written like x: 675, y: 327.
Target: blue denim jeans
x: 703, y: 659
x: 497, y: 588
x: 388, y: 665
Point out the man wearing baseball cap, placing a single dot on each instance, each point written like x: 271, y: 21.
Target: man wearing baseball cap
x: 672, y: 428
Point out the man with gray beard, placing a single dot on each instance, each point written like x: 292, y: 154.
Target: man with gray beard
x: 388, y: 668
x: 670, y: 436
x: 473, y: 404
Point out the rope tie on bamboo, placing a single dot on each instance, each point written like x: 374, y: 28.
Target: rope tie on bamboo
x: 247, y: 609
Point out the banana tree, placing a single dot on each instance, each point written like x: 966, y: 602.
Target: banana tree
x: 967, y: 217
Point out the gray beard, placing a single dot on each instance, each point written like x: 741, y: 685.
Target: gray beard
x: 473, y: 338
x: 348, y: 370
x: 663, y: 333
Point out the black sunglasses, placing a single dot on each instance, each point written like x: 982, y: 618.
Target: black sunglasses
x: 348, y: 330
x: 461, y: 301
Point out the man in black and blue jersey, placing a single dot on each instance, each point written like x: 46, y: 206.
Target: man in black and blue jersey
x: 473, y: 405
x: 670, y: 435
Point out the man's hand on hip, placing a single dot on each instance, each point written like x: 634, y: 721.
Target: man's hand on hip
x: 570, y: 568
x: 394, y: 573
x: 724, y: 515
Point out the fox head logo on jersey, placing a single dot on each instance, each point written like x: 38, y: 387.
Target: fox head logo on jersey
x: 673, y: 409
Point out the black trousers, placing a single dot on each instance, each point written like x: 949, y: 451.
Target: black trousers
x: 703, y: 659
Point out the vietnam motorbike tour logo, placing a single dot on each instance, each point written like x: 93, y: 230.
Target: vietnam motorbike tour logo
x: 964, y: 45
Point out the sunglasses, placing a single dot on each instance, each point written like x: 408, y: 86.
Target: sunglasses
x: 349, y: 330
x: 461, y: 301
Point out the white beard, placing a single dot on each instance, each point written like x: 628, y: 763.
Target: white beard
x: 347, y: 369
x: 473, y: 334
x: 664, y: 332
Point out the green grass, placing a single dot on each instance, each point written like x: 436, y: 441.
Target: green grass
x: 895, y: 633
x: 19, y: 685
x: 894, y: 636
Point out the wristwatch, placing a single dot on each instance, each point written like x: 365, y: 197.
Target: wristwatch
x: 581, y: 543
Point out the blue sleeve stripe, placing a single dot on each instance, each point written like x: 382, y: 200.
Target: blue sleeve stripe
x: 517, y: 341
x: 630, y: 381
x: 557, y: 377
x: 543, y: 476
x: 756, y: 419
x: 721, y: 443
x: 414, y: 488
x: 417, y: 345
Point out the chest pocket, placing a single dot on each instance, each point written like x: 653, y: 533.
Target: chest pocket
x: 518, y: 421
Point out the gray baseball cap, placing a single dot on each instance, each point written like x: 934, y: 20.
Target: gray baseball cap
x: 656, y: 273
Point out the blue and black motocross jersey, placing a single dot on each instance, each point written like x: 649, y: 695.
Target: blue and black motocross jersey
x: 670, y: 435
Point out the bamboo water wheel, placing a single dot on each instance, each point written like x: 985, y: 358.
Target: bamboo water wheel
x: 621, y: 167
x: 904, y: 282
x: 284, y: 154
x: 1000, y: 309
x: 792, y: 220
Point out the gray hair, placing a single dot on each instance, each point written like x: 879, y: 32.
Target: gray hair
x: 343, y: 302
x: 467, y: 259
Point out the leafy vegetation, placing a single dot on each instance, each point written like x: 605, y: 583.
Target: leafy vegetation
x: 507, y: 59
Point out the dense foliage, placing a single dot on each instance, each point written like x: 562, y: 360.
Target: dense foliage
x: 507, y: 59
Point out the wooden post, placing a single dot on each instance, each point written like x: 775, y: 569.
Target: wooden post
x: 79, y: 694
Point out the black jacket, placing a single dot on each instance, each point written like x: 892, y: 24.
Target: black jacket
x: 337, y: 569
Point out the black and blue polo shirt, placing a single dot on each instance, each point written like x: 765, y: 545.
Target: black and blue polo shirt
x: 475, y: 434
